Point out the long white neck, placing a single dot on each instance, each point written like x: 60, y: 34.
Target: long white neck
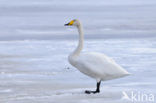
x: 81, y: 39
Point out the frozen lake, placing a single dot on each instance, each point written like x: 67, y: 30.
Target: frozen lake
x: 45, y: 19
x: 38, y: 71
x: 34, y: 46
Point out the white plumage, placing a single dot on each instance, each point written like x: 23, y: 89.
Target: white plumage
x: 95, y: 65
x: 98, y: 66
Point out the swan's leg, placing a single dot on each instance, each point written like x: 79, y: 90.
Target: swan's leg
x: 97, y: 89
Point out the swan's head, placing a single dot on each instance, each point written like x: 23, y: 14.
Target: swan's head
x: 74, y: 22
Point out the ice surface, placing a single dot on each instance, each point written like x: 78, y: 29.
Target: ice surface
x: 34, y: 45
x: 38, y: 71
x: 38, y: 19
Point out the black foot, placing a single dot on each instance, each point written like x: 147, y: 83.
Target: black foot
x: 89, y: 92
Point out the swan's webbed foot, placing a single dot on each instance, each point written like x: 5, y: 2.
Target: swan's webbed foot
x: 89, y: 92
x: 97, y: 89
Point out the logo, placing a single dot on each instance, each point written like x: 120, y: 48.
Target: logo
x: 137, y: 96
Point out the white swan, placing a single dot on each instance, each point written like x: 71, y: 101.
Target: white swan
x: 95, y: 65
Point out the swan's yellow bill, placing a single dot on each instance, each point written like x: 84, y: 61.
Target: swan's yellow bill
x: 70, y: 23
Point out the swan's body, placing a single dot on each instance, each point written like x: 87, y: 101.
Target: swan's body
x: 98, y: 66
x: 95, y: 65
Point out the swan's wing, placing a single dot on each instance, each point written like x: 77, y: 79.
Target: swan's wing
x: 98, y: 64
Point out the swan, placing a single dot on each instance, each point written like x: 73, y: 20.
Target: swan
x: 93, y: 64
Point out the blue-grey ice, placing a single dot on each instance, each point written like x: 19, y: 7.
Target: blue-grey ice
x: 34, y: 46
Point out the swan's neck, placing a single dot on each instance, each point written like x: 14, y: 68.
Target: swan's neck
x: 81, y: 39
